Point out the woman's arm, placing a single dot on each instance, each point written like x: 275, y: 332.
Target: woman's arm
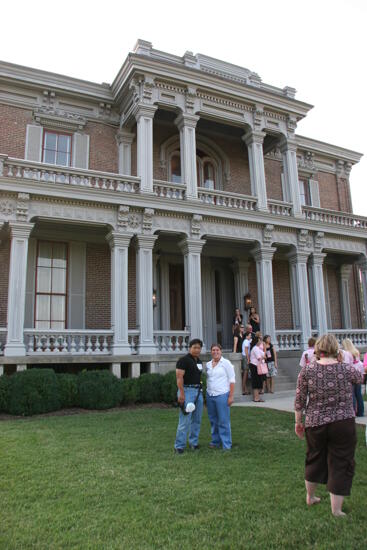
x: 300, y: 401
x: 235, y: 340
x: 231, y: 394
x: 275, y: 357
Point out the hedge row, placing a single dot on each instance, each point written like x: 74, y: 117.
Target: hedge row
x: 37, y: 391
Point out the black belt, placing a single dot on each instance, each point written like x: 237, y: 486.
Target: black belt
x: 192, y: 385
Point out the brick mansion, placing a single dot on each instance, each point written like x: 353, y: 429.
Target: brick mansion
x: 136, y: 214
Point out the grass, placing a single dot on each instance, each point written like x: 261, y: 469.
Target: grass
x: 111, y: 481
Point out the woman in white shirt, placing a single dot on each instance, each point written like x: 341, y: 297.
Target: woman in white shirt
x: 219, y: 398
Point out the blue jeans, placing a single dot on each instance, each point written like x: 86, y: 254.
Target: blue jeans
x: 220, y: 420
x: 189, y: 424
x: 358, y: 399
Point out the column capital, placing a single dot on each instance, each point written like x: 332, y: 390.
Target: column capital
x: 191, y: 246
x: 362, y: 264
x: 186, y: 119
x: 253, y: 136
x: 345, y: 271
x: 20, y: 229
x: 144, y: 110
x: 287, y: 144
x: 238, y: 265
x: 124, y: 136
x: 317, y: 258
x: 261, y: 253
x: 145, y: 241
x: 116, y: 239
x: 298, y: 256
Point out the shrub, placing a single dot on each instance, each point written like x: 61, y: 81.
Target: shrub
x: 4, y: 393
x: 150, y: 388
x: 33, y: 391
x: 129, y: 391
x: 169, y: 387
x: 98, y: 389
x: 68, y: 390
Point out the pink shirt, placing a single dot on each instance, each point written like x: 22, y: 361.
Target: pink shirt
x: 256, y: 354
x: 306, y: 357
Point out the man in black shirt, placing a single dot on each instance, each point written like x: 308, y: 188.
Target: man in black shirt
x: 188, y: 375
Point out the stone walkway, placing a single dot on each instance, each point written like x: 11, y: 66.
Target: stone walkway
x: 281, y: 401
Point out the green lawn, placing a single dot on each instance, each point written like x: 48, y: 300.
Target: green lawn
x: 111, y: 481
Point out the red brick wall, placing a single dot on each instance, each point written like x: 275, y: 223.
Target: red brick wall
x: 344, y: 196
x: 132, y: 287
x: 4, y: 279
x: 98, y: 287
x: 103, y: 148
x: 13, y: 127
x: 328, y: 191
x: 273, y: 171
x: 334, y: 297
x: 282, y: 295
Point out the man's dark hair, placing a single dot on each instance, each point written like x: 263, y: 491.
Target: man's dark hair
x: 195, y: 341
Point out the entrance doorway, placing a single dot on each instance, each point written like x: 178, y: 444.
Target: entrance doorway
x: 176, y: 296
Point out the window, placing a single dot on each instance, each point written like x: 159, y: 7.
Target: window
x: 304, y: 191
x: 56, y: 148
x: 209, y: 175
x: 176, y: 167
x: 51, y: 286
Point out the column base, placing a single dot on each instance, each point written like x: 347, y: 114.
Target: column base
x: 147, y: 349
x: 135, y: 370
x: 115, y: 368
x: 21, y: 368
x: 14, y: 350
x: 121, y: 349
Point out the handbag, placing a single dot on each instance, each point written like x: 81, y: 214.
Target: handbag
x: 262, y: 368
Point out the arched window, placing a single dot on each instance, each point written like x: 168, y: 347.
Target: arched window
x: 175, y: 167
x: 209, y: 178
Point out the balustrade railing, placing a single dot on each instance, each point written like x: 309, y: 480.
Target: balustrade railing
x: 288, y: 339
x: 173, y: 341
x: 330, y: 216
x: 47, y: 173
x: 280, y: 208
x: 229, y: 200
x: 169, y: 190
x: 134, y: 336
x: 72, y: 342
x: 358, y: 336
x: 3, y: 332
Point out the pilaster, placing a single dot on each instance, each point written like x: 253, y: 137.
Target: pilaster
x: 288, y: 149
x: 124, y: 140
x: 144, y: 114
x: 19, y: 234
x: 254, y: 141
x: 186, y: 123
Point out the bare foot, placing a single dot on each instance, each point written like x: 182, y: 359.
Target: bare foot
x: 339, y: 514
x: 312, y: 500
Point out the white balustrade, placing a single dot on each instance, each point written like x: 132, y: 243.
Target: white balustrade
x: 46, y: 173
x: 333, y: 217
x: 3, y: 332
x: 70, y: 342
x: 169, y: 190
x: 288, y: 340
x: 133, y: 338
x: 173, y: 341
x: 358, y: 336
x: 280, y: 208
x: 228, y: 200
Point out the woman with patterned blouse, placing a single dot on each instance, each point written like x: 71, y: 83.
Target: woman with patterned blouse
x: 325, y: 394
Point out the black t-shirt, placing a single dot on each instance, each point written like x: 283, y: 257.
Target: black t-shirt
x: 269, y: 354
x: 192, y: 367
x: 238, y: 321
x: 239, y: 344
x: 255, y: 325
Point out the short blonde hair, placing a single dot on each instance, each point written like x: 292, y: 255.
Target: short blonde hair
x: 326, y: 346
x: 349, y: 346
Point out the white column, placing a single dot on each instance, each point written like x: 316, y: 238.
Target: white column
x: 298, y: 266
x: 144, y: 291
x: 240, y: 272
x: 289, y: 152
x: 186, y: 124
x: 363, y: 268
x: 144, y: 118
x: 316, y: 264
x: 124, y: 140
x: 156, y: 307
x: 254, y: 141
x: 119, y: 245
x: 115, y: 368
x: 19, y: 234
x: 344, y: 276
x: 191, y: 250
x: 264, y: 270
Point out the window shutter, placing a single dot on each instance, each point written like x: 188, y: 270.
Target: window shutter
x: 33, y: 143
x: 81, y: 150
x: 76, y: 299
x: 30, y: 284
x: 314, y: 193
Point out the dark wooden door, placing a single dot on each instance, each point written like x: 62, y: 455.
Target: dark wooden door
x: 176, y: 297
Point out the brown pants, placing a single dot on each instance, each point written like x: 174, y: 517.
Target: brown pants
x: 330, y: 455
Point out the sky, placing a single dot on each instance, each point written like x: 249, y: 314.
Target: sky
x: 318, y: 47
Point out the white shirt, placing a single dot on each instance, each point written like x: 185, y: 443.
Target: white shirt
x: 246, y: 344
x: 310, y: 352
x: 220, y: 377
